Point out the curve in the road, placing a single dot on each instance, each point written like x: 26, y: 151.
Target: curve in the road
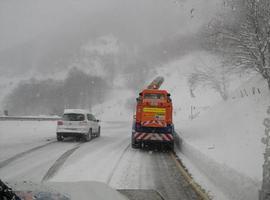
x: 19, y: 155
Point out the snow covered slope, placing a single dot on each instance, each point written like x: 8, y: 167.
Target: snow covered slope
x: 222, y: 145
x: 175, y: 75
x: 120, y: 105
x: 225, y: 142
x: 116, y: 107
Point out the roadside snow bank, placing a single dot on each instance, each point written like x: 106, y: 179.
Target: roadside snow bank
x: 229, y: 183
x: 224, y: 143
x: 24, y: 135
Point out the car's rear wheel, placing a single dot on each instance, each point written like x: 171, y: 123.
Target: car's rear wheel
x: 98, y: 133
x: 88, y: 136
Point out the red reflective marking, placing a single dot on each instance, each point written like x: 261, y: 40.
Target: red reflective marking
x: 170, y: 136
x: 136, y: 135
x: 141, y: 136
x: 165, y: 137
x: 148, y: 136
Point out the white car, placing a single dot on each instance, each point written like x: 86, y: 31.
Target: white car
x: 77, y: 123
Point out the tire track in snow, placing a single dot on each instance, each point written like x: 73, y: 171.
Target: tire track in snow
x: 152, y: 170
x: 59, y: 163
x: 117, y: 164
x: 19, y: 155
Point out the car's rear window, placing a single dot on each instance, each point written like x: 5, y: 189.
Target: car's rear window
x: 73, y: 117
x: 154, y: 96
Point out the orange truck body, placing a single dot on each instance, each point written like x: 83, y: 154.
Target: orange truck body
x: 153, y: 121
x: 154, y: 108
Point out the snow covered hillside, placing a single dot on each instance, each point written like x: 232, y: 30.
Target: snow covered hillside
x: 222, y: 145
x: 116, y: 107
x: 225, y: 143
x: 121, y: 103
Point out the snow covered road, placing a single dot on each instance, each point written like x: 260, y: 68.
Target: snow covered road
x: 108, y: 159
x: 139, y: 169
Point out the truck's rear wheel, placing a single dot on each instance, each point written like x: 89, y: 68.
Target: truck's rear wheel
x: 59, y: 137
x: 172, y: 146
x: 135, y: 145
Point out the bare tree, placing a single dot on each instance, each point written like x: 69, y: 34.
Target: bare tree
x: 242, y: 35
x: 214, y: 77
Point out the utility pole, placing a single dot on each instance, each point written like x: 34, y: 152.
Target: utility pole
x: 264, y: 194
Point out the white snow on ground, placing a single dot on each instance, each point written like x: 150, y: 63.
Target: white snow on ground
x: 232, y: 127
x: 221, y: 146
x: 104, y: 154
x: 19, y: 136
x: 225, y: 142
x: 88, y: 191
x: 97, y: 160
x: 93, y: 161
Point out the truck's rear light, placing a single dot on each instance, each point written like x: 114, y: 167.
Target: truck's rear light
x: 60, y: 123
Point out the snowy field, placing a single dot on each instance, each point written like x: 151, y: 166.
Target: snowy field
x: 224, y: 144
x: 108, y: 159
x: 24, y: 135
x: 221, y: 147
x: 98, y: 160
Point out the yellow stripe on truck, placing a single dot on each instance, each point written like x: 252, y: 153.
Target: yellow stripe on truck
x: 155, y: 110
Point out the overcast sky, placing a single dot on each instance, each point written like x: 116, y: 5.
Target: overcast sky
x: 132, y: 20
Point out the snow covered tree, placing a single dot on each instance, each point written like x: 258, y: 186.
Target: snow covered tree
x: 211, y: 76
x: 242, y: 35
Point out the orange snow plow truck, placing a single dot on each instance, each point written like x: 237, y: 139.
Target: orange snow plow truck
x: 153, y: 124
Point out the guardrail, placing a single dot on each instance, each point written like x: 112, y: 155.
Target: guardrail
x: 30, y: 118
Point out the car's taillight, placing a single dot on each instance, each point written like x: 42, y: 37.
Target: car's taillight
x: 60, y: 123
